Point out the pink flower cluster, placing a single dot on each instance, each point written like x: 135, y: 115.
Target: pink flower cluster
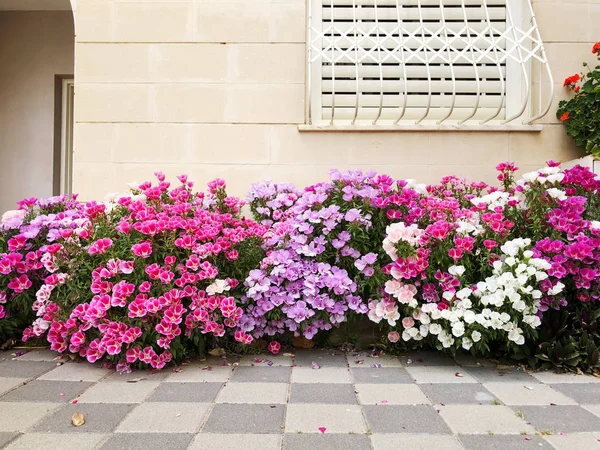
x: 158, y: 259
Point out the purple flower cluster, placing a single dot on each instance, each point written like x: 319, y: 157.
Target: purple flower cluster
x: 321, y: 246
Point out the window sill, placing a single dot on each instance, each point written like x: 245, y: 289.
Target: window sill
x: 426, y: 127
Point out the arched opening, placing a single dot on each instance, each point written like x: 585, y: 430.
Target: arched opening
x: 36, y: 93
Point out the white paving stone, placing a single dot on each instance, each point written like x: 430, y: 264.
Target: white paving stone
x: 575, y: 441
x: 201, y: 374
x: 70, y: 441
x: 483, y: 419
x: 41, y: 354
x: 523, y: 394
x: 19, y: 416
x: 7, y: 384
x: 164, y: 418
x: 414, y: 441
x: 82, y: 371
x: 552, y: 377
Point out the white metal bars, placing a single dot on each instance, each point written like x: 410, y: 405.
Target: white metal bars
x: 396, y: 62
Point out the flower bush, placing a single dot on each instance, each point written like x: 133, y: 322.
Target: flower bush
x: 157, y: 272
x: 323, y: 251
x: 160, y: 273
x: 581, y: 114
x: 26, y: 236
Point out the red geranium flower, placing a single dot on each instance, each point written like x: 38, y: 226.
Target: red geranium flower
x: 572, y: 80
x: 564, y: 117
x: 596, y: 48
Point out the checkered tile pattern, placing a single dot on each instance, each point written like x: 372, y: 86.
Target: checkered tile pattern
x: 352, y: 401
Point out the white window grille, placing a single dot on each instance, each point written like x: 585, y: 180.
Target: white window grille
x: 453, y: 63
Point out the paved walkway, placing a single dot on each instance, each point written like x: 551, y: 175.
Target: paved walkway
x: 317, y: 399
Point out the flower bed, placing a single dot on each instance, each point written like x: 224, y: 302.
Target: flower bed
x: 160, y: 273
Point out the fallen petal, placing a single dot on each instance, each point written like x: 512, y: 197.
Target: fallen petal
x: 78, y: 419
x: 322, y: 429
x: 315, y: 365
x: 458, y: 374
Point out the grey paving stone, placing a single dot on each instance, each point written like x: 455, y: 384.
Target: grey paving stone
x: 99, y: 418
x: 148, y: 441
x: 40, y: 354
x: 323, y: 375
x: 391, y: 394
x: 46, y: 391
x: 5, y: 438
x: 365, y: 359
x: 468, y: 360
x: 583, y: 393
x: 440, y: 374
x: 503, y: 442
x: 263, y: 360
x: 405, y: 419
x: 295, y: 441
x: 556, y: 419
x: 310, y: 418
x: 25, y: 369
x: 594, y: 409
x: 245, y: 418
x: 493, y: 375
x: 272, y: 393
x: 458, y: 394
x: 175, y: 417
x: 21, y: 416
x: 323, y: 393
x: 186, y: 392
x: 325, y: 358
x: 63, y: 441
x: 385, y: 375
x: 415, y: 441
x: 208, y: 441
x: 267, y: 374
x: 425, y: 358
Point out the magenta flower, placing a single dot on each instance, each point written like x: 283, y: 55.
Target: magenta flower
x: 142, y: 250
x: 274, y: 347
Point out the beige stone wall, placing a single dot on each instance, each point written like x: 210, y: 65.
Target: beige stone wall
x: 34, y: 47
x: 215, y: 88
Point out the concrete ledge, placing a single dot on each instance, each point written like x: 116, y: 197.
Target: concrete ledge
x: 426, y: 127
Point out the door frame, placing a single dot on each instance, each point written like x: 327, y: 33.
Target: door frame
x: 64, y: 92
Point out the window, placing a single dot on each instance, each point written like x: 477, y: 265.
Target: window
x: 456, y: 63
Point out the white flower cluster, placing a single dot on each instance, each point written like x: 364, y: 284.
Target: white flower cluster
x: 493, y: 200
x: 506, y: 301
